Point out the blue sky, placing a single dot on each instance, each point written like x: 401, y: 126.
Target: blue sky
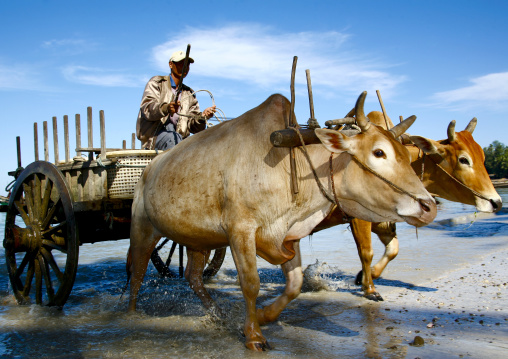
x: 438, y: 60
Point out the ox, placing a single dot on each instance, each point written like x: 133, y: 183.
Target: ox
x: 453, y: 169
x: 229, y: 186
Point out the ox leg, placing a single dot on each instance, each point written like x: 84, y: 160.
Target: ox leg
x: 142, y: 243
x: 294, y: 280
x: 196, y: 261
x: 387, y: 233
x: 361, y: 233
x: 243, y: 249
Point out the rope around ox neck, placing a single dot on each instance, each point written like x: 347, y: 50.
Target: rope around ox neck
x: 453, y: 178
x: 360, y: 163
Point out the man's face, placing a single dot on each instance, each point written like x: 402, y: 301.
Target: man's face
x: 177, y: 68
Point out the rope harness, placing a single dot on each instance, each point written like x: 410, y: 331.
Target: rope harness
x: 335, y: 200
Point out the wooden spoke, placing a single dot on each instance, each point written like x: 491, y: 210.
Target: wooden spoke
x: 54, y: 229
x: 51, y: 213
x: 22, y: 266
x: 53, y: 245
x: 163, y: 266
x: 46, y: 274
x: 29, y: 200
x: 46, y: 197
x: 28, y: 278
x: 48, y: 257
x: 38, y: 282
x: 19, y: 207
x: 37, y: 196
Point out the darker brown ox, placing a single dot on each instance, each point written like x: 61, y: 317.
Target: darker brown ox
x: 453, y: 169
x: 229, y: 186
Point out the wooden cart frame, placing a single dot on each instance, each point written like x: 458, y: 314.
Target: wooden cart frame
x: 56, y: 207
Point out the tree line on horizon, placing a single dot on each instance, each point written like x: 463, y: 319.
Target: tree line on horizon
x: 496, y: 159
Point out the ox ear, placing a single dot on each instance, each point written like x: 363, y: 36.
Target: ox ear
x: 428, y: 146
x: 334, y: 141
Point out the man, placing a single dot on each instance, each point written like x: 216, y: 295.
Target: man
x: 164, y: 121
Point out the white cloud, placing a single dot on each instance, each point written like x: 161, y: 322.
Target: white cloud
x: 261, y: 56
x: 12, y: 77
x: 20, y: 77
x: 101, y: 77
x: 69, y: 46
x: 489, y: 91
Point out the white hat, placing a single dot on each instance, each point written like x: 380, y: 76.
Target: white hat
x: 179, y: 56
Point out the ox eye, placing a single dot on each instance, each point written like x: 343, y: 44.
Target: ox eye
x: 379, y: 153
x: 464, y: 161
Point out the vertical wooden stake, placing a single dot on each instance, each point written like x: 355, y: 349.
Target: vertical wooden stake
x: 78, y: 134
x: 90, y: 131
x: 311, y: 99
x: 46, y: 145
x: 103, y: 133
x: 133, y: 145
x: 292, y: 122
x: 36, y: 142
x: 18, y: 148
x: 124, y: 145
x: 66, y: 139
x: 383, y: 108
x: 55, y: 141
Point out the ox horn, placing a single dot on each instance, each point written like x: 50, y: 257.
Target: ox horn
x: 361, y: 119
x: 402, y: 127
x: 472, y: 125
x: 451, y: 131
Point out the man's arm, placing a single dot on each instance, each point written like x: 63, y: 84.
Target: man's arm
x: 151, y: 105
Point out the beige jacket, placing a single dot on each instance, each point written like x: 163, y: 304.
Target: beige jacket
x: 151, y: 119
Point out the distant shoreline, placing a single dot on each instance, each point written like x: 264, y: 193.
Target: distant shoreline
x: 500, y: 183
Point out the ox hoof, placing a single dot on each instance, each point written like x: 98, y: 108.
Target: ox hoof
x: 258, y: 347
x: 359, y: 277
x: 376, y: 297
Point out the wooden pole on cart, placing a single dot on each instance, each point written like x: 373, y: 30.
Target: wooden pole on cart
x: 292, y: 122
x: 78, y: 133
x: 311, y: 99
x: 36, y: 142
x: 66, y: 139
x: 382, y: 108
x: 90, y: 131
x: 103, y: 134
x: 55, y: 141
x: 133, y: 144
x: 18, y: 148
x: 45, y: 134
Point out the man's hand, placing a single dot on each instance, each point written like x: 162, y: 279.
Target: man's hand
x: 170, y: 108
x: 208, y: 112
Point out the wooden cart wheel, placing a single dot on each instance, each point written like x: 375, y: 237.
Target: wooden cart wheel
x: 164, y: 270
x: 41, y: 244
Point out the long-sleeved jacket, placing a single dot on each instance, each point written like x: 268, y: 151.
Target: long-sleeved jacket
x: 151, y: 118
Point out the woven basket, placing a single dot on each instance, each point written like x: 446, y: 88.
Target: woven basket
x: 125, y: 174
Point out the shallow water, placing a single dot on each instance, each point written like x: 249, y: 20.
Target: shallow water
x: 172, y: 322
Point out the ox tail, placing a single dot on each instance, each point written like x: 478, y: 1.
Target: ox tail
x: 128, y: 270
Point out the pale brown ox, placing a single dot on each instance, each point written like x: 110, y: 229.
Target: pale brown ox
x: 229, y: 186
x: 453, y: 169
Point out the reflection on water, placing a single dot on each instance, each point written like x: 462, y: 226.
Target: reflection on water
x: 172, y: 321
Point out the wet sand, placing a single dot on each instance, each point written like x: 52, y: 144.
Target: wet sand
x: 448, y: 287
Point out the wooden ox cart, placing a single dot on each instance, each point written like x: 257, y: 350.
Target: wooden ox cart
x: 56, y: 207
